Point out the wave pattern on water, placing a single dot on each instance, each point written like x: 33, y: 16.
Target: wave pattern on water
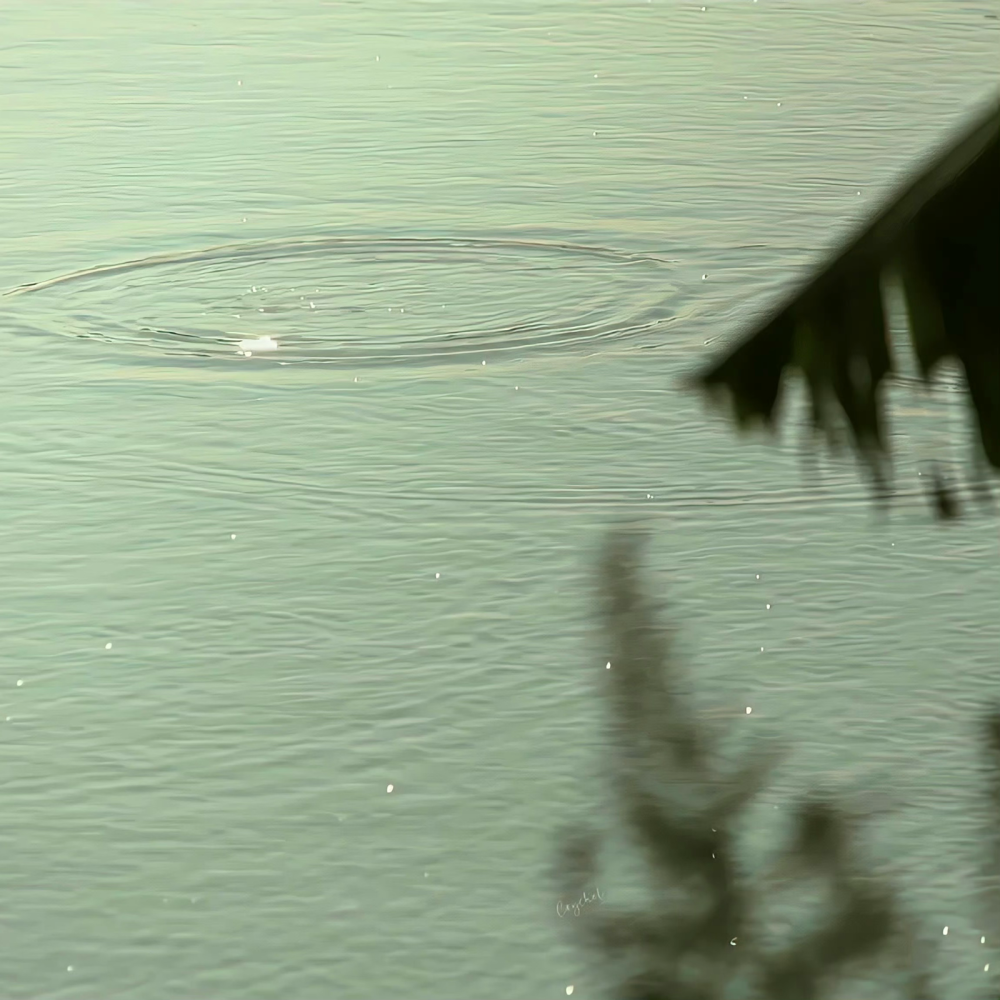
x: 359, y: 300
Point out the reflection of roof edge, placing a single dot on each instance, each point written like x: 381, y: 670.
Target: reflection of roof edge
x: 941, y: 233
x: 878, y: 236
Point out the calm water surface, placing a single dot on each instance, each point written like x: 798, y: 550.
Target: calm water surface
x: 246, y: 593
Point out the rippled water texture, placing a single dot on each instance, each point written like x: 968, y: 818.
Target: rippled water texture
x: 325, y: 300
x: 334, y: 336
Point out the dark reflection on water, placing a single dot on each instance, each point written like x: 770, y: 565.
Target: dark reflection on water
x: 710, y: 929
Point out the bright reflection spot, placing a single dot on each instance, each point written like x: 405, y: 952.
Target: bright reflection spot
x: 20, y: 682
x: 749, y: 709
x: 388, y: 788
x: 569, y: 991
x: 260, y: 344
x: 945, y: 931
x: 607, y: 666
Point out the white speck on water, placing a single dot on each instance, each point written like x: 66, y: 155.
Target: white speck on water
x: 437, y: 576
x: 376, y: 59
x: 607, y: 666
x: 312, y: 305
x: 982, y: 940
x: 704, y: 276
x: 239, y: 83
x: 767, y: 606
x: 107, y: 645
x: 758, y: 576
x: 595, y: 133
x: 569, y: 991
x: 762, y: 649
x: 779, y: 104
x: 516, y: 388
x: 484, y: 361
x: 69, y: 968
x: 20, y: 683
x: 388, y: 789
x: 749, y: 709
x: 260, y: 344
x: 945, y: 931
x: 232, y: 538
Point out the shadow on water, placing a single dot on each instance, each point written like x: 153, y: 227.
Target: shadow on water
x: 703, y: 933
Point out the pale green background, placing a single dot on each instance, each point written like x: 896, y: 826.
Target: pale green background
x: 201, y: 810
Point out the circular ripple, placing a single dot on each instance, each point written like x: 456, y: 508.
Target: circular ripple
x: 358, y: 300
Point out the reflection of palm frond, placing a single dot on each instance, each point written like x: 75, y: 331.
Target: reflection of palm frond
x: 700, y: 937
x: 941, y: 236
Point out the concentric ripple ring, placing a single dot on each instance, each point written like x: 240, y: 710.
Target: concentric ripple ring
x: 358, y: 300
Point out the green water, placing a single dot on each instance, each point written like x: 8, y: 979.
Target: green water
x: 244, y: 595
